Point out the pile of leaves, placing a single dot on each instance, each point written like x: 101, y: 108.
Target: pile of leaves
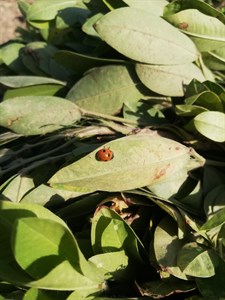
x: 144, y: 81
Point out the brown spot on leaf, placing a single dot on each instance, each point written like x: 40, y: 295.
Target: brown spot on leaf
x: 183, y: 25
x: 161, y: 172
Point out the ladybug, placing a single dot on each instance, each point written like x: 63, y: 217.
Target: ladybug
x: 104, y: 154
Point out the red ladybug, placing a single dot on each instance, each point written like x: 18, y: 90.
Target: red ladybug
x: 104, y: 154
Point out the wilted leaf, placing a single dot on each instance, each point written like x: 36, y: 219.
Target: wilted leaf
x: 139, y: 160
x: 37, y: 115
x: 166, y: 287
x: 158, y: 42
x: 211, y: 124
x: 168, y: 80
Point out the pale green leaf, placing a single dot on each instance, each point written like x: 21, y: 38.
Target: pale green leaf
x: 158, y: 42
x: 48, y: 9
x: 139, y: 160
x: 166, y: 247
x: 197, y: 261
x: 101, y: 91
x: 37, y: 115
x: 153, y: 6
x: 211, y: 124
x: 23, y: 81
x: 208, y: 33
x: 168, y: 80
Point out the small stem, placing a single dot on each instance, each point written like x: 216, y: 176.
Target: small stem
x: 85, y: 112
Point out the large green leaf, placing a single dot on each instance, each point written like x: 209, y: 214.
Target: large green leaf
x: 158, y: 42
x: 47, y: 9
x: 139, y: 160
x: 42, y: 247
x: 9, y: 213
x: 37, y: 115
x: 168, y: 80
x: 208, y: 33
x: 101, y: 91
x: 211, y: 124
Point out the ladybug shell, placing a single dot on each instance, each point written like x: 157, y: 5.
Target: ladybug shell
x: 104, y: 154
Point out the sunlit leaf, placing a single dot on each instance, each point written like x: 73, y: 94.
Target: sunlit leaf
x: 211, y: 124
x: 37, y: 115
x: 168, y: 80
x: 159, y: 42
x: 139, y: 160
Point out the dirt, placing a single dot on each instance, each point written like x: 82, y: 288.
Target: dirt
x: 10, y: 19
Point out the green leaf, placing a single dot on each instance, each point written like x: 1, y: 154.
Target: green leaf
x: 211, y: 124
x: 71, y: 17
x: 159, y: 42
x: 113, y: 265
x: 197, y: 27
x: 81, y: 63
x: 110, y: 233
x: 10, y: 55
x: 38, y: 58
x: 18, y: 187
x: 217, y: 220
x: 213, y: 287
x: 35, y: 294
x: 186, y: 110
x: 37, y: 90
x: 24, y: 81
x: 214, y: 200
x: 40, y: 246
x: 205, y: 8
x: 139, y: 160
x: 101, y: 91
x: 214, y: 61
x: 197, y: 261
x: 43, y: 10
x: 37, y: 115
x: 9, y: 213
x: 153, y: 6
x: 168, y: 80
x: 148, y: 112
x: 166, y: 247
x: 44, y: 194
x: 206, y: 99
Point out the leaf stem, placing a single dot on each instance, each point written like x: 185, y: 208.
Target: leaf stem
x: 85, y: 112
